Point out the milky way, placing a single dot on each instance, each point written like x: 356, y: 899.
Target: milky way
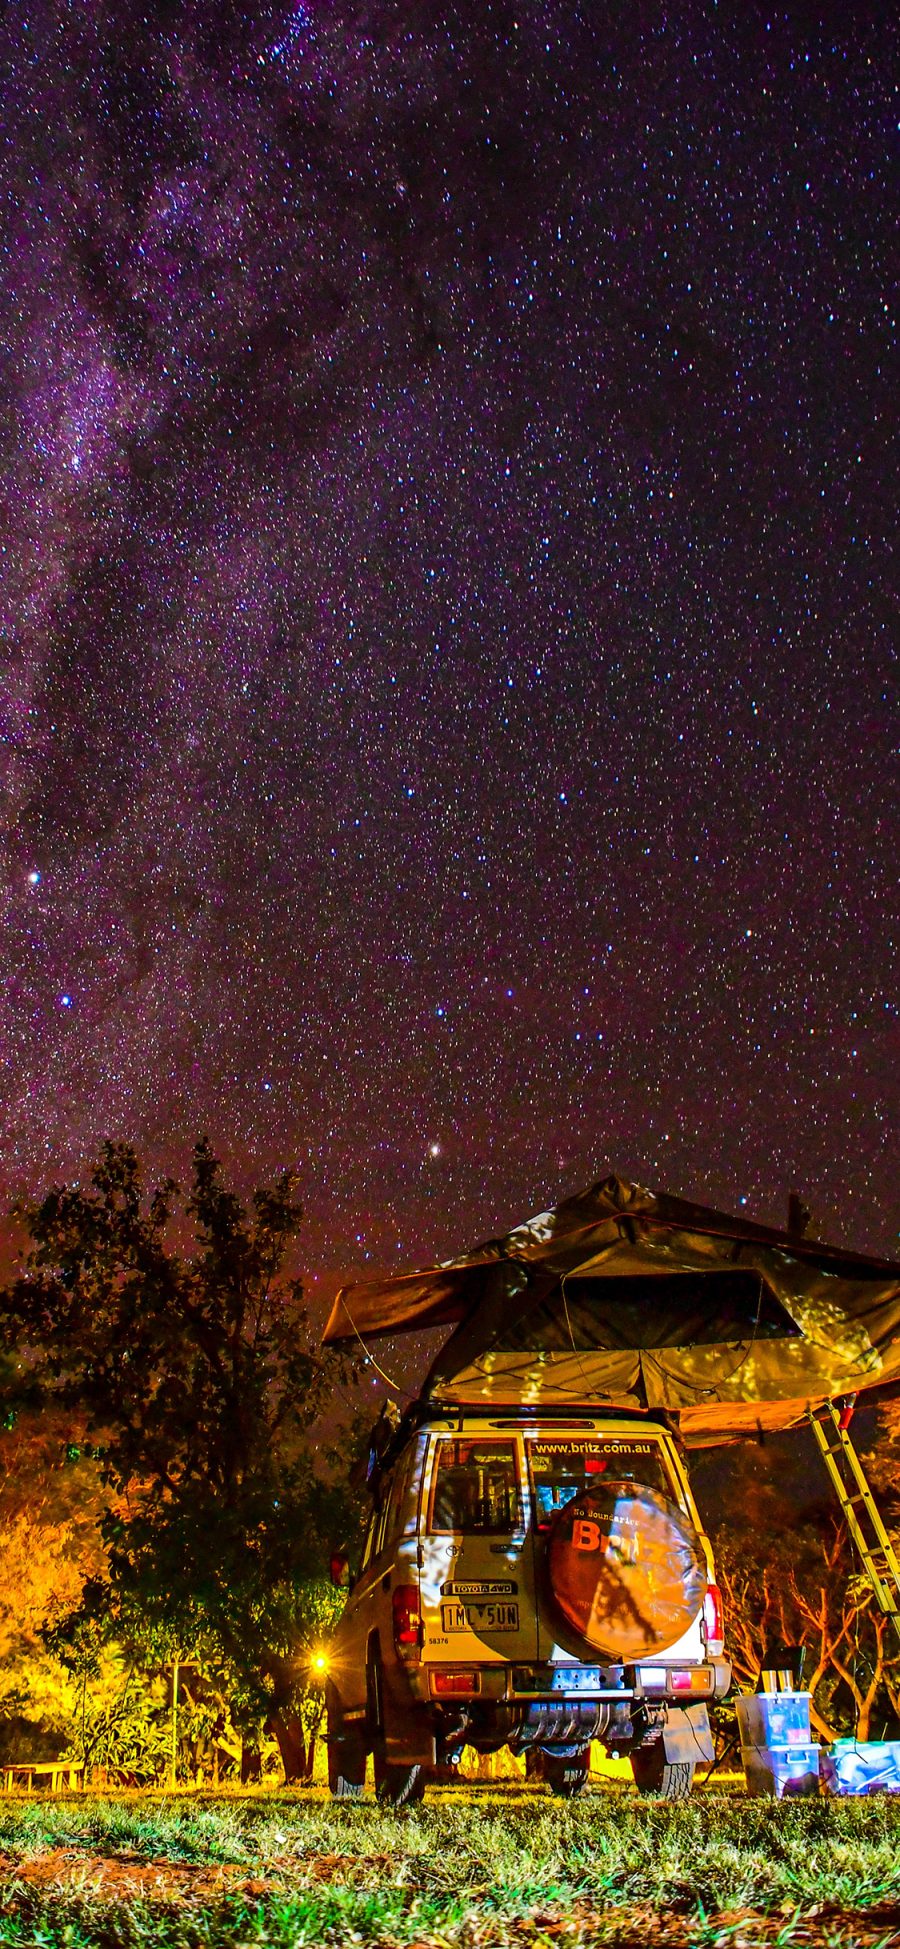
x: 448, y: 477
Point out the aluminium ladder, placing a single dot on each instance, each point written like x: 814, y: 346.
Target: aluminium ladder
x: 877, y: 1553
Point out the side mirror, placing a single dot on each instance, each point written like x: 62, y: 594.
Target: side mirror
x: 339, y: 1569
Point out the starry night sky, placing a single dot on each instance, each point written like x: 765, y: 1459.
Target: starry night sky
x: 445, y: 583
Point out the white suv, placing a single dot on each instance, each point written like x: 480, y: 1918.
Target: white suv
x: 531, y: 1579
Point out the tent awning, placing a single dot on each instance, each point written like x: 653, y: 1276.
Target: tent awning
x: 646, y: 1302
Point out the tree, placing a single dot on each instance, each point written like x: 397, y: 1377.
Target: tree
x: 802, y: 1587
x: 195, y: 1375
x: 789, y: 1576
x: 50, y: 1505
x: 882, y: 1465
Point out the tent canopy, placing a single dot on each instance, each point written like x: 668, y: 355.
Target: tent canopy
x: 646, y: 1302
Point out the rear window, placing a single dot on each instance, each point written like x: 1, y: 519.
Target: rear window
x: 562, y: 1468
x: 475, y: 1487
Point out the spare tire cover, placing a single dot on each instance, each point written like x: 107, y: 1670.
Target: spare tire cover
x: 626, y: 1569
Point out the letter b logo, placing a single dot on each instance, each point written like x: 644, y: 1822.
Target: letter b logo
x: 585, y: 1535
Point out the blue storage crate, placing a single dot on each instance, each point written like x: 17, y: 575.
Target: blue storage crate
x: 773, y: 1719
x: 862, y: 1766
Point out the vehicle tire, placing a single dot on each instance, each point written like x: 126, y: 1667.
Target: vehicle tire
x: 398, y: 1786
x: 566, y: 1774
x: 346, y: 1754
x: 395, y: 1785
x: 653, y: 1773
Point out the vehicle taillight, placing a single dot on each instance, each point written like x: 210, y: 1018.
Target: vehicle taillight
x: 445, y: 1684
x: 693, y: 1681
x: 407, y: 1619
x: 714, y: 1621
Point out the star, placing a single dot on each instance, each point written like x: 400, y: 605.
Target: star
x: 444, y: 582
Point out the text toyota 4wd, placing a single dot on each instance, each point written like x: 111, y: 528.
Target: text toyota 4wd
x: 533, y: 1581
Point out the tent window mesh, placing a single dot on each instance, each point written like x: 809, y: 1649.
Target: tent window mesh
x: 666, y: 1310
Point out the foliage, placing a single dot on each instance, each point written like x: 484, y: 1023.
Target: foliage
x: 882, y: 1464
x: 50, y: 1505
x: 196, y: 1377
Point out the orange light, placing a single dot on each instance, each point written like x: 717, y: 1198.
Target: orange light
x: 444, y: 1684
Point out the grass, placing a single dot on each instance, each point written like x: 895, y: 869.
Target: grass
x: 482, y: 1868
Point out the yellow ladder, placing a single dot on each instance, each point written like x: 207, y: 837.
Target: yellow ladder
x: 877, y: 1553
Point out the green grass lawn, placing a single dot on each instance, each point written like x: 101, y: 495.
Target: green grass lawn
x: 486, y: 1867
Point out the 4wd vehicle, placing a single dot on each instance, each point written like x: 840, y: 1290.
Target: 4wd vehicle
x: 533, y: 1579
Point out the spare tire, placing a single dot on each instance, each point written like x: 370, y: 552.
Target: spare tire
x: 626, y: 1569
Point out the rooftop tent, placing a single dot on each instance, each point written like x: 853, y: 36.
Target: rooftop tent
x: 646, y: 1302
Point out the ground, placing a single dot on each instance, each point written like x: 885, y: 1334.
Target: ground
x: 472, y: 1868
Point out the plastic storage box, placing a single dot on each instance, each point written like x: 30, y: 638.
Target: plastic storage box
x: 780, y: 1770
x: 774, y: 1719
x: 862, y: 1766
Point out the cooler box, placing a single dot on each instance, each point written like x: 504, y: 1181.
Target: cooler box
x: 780, y: 1771
x: 862, y: 1766
x: 773, y: 1719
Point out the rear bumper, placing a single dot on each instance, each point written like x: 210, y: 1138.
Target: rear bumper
x: 676, y: 1685
x: 511, y: 1706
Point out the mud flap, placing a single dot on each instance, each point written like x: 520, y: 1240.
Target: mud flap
x: 408, y: 1732
x: 687, y: 1734
x: 412, y: 1743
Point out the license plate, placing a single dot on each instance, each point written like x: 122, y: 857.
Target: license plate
x: 488, y: 1616
x: 580, y: 1678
